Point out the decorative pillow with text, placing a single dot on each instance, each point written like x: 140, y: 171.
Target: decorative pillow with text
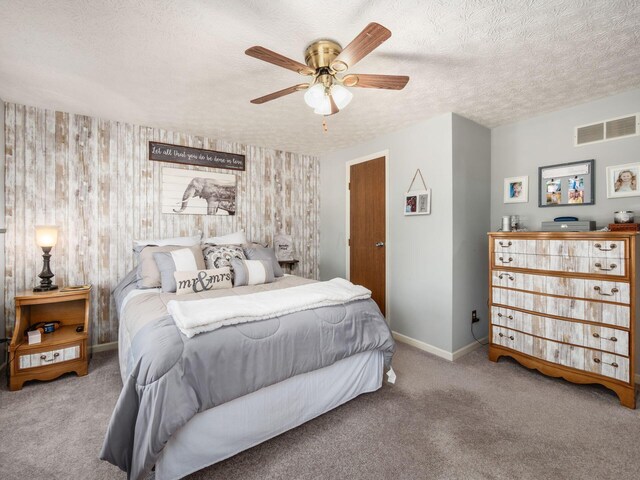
x: 202, y: 280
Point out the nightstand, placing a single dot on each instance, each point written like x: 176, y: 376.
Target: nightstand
x: 288, y: 265
x: 62, y: 351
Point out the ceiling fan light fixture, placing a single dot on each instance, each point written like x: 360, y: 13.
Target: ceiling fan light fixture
x: 325, y: 107
x: 341, y: 95
x: 315, y: 96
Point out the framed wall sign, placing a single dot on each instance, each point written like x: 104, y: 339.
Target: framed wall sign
x: 567, y: 184
x: 164, y: 152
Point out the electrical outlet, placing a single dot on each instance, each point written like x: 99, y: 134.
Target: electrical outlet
x: 474, y: 317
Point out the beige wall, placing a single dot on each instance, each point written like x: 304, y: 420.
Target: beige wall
x: 93, y: 179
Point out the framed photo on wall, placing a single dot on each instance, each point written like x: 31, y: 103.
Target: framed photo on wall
x: 516, y: 189
x: 417, y: 202
x: 622, y: 180
x: 567, y: 184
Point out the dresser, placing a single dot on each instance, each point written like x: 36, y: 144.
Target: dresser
x: 564, y: 304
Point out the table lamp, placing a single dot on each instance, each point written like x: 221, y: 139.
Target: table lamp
x: 46, y: 238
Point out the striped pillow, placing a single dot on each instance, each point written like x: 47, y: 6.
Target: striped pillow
x: 183, y: 259
x: 251, y: 272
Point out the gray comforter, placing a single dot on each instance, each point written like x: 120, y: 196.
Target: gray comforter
x: 172, y: 378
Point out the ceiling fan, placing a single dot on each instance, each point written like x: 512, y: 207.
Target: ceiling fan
x: 325, y: 59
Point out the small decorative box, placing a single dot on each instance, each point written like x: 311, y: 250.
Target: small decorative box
x: 624, y: 227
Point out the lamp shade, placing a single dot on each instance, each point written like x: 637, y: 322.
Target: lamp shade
x: 46, y: 235
x: 340, y: 95
x: 314, y: 96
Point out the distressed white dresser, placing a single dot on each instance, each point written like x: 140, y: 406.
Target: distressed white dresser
x: 564, y: 304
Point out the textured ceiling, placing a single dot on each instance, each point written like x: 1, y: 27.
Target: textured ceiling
x: 181, y: 65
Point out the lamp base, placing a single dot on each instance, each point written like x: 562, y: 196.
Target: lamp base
x: 45, y: 288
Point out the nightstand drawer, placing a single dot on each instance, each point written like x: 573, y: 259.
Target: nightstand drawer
x: 42, y: 359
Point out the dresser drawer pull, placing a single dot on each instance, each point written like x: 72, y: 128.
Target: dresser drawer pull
x: 503, y: 335
x: 510, y: 317
x: 599, y: 266
x: 506, y: 261
x: 613, y: 364
x: 599, y: 290
x: 45, y: 359
x: 601, y: 248
x: 510, y: 277
x: 612, y: 339
x: 505, y: 245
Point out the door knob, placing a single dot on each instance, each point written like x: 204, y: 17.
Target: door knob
x: 380, y: 244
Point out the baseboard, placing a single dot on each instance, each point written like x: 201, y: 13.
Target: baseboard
x: 461, y: 352
x: 452, y: 357
x: 423, y: 346
x: 104, y: 347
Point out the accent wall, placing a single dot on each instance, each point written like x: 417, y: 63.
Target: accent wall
x: 93, y: 179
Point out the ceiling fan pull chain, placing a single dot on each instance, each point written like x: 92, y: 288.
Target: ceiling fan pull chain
x: 324, y: 125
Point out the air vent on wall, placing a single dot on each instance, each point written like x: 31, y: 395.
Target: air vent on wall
x: 612, y: 129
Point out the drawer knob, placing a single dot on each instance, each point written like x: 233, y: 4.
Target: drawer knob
x: 503, y: 244
x: 510, y: 277
x: 510, y: 317
x: 612, y: 339
x: 600, y: 267
x: 604, y: 249
x: 506, y: 261
x: 613, y: 364
x: 599, y: 290
x: 503, y: 335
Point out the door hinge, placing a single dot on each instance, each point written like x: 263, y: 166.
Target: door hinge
x: 349, y: 186
x: 349, y: 241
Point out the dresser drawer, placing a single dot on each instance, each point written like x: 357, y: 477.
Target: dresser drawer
x: 556, y: 263
x: 576, y: 333
x: 602, y: 249
x: 589, y: 310
x: 570, y: 287
x: 41, y: 359
x: 607, y: 364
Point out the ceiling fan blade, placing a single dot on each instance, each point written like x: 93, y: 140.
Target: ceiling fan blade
x: 334, y: 107
x: 280, y: 93
x: 366, y: 42
x: 389, y: 82
x: 269, y: 56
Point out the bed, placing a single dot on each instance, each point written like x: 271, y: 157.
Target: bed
x: 191, y: 402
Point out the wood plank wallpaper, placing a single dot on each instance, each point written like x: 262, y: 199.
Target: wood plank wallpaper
x: 93, y: 179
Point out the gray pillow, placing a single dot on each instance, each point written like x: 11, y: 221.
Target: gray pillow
x: 147, y: 273
x: 251, y: 272
x: 178, y: 260
x: 263, y: 253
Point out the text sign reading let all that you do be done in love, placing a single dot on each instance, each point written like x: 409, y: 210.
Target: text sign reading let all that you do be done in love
x: 164, y: 152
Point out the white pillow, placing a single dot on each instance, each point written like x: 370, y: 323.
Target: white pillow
x: 177, y: 241
x: 236, y: 238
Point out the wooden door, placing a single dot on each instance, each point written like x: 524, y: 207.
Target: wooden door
x: 368, y: 227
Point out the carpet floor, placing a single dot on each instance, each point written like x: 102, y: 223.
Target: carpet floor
x: 472, y: 419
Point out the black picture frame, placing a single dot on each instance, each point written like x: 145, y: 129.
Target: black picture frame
x: 561, y: 197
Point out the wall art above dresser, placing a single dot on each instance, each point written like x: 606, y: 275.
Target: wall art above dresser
x: 564, y: 304
x: 94, y: 180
